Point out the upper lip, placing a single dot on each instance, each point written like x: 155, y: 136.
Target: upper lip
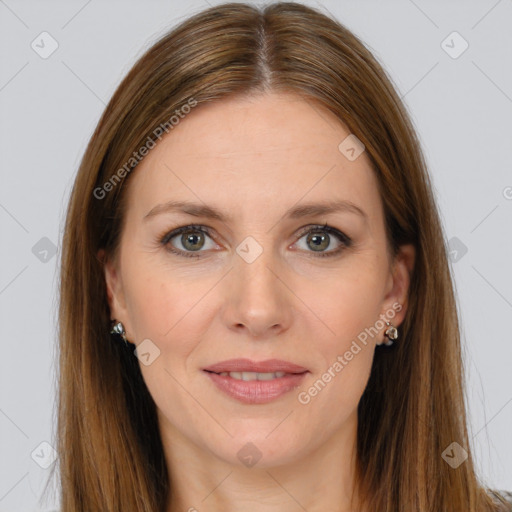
x: 246, y: 365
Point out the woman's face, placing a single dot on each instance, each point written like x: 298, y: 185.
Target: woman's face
x: 260, y: 280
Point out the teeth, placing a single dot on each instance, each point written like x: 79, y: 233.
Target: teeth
x: 253, y: 375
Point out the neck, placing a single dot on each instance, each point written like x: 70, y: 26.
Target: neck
x: 322, y: 480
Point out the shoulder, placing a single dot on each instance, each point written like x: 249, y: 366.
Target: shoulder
x: 501, y: 498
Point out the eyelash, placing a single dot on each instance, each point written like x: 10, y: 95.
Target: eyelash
x: 344, y: 239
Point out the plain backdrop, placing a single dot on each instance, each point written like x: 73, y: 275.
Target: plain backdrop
x: 451, y: 63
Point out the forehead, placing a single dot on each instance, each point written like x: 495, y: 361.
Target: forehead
x: 258, y: 154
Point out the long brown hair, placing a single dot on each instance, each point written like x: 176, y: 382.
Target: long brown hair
x: 110, y: 450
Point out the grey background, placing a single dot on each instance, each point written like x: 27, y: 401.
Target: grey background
x: 49, y: 107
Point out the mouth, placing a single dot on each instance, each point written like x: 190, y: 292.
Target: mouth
x: 250, y: 376
x: 249, y: 366
x: 252, y: 382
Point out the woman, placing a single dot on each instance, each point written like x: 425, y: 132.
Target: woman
x: 256, y: 307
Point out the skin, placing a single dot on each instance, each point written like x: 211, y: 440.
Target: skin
x: 254, y: 158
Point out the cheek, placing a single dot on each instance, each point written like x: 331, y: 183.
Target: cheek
x: 332, y: 393
x: 346, y: 301
x: 152, y: 305
x: 348, y: 306
x: 165, y: 307
x: 156, y: 300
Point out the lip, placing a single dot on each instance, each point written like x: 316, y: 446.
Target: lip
x: 256, y: 391
x: 247, y: 365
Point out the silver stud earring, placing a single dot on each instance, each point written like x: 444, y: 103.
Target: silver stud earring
x: 391, y: 333
x: 118, y: 330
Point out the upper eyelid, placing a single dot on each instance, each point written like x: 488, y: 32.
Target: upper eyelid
x: 182, y: 229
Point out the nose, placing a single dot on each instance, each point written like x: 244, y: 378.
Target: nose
x: 258, y: 300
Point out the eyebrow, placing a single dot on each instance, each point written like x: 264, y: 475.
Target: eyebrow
x: 297, y: 212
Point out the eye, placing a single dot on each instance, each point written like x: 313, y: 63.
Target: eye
x: 191, y: 239
x: 320, y: 238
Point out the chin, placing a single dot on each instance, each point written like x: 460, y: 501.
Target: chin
x: 260, y: 447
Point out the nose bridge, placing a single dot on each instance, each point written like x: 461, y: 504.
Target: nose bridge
x: 254, y: 269
x: 258, y: 299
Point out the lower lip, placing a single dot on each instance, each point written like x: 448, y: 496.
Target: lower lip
x: 257, y: 391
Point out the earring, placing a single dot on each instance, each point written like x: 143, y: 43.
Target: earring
x: 118, y: 330
x: 391, y: 333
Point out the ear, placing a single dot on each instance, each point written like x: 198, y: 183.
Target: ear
x: 114, y: 287
x: 396, y: 300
